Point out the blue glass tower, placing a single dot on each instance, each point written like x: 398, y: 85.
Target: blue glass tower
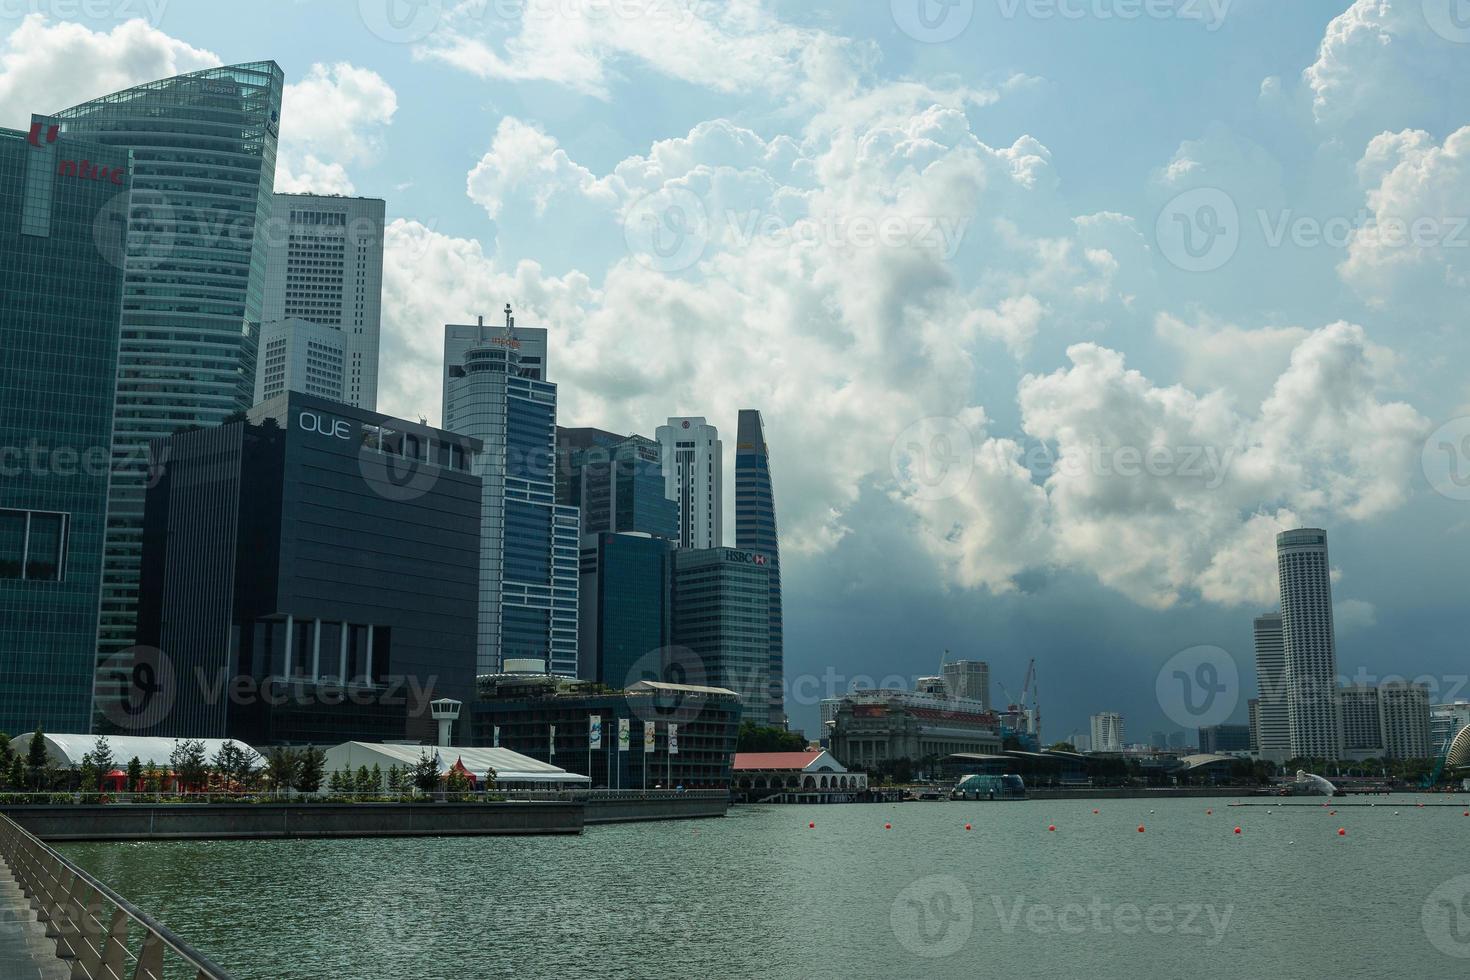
x: 755, y: 530
x: 204, y: 164
x: 60, y: 304
x: 495, y: 391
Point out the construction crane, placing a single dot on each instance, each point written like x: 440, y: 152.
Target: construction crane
x: 1030, y: 687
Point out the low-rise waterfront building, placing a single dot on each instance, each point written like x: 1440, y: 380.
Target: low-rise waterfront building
x: 512, y: 769
x: 606, y: 733
x: 795, y: 777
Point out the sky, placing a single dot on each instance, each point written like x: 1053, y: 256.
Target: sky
x: 1057, y: 310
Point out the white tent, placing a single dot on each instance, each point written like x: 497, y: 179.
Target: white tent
x: 511, y: 768
x: 66, y: 751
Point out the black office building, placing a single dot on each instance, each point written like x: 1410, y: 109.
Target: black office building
x: 309, y: 575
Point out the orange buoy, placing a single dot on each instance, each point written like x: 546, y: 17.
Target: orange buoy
x: 1237, y: 830
x: 1342, y: 831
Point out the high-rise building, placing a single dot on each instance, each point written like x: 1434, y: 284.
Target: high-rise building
x: 1308, y: 642
x: 625, y: 607
x: 204, y: 162
x: 722, y: 603
x: 1224, y: 739
x: 1362, y: 723
x: 1445, y: 722
x: 327, y: 554
x: 756, y: 530
x: 1404, y: 710
x: 1107, y: 732
x: 1253, y: 706
x: 693, y: 459
x: 60, y: 308
x: 325, y: 266
x: 617, y: 482
x: 1273, y: 726
x: 968, y: 679
x: 495, y: 391
x: 298, y: 355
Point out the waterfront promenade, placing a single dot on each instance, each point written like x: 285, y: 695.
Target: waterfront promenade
x: 25, y: 952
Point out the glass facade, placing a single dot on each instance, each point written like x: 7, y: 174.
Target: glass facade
x: 617, y: 482
x: 625, y: 607
x: 204, y: 152
x: 755, y: 530
x: 494, y: 391
x: 722, y: 600
x: 60, y: 301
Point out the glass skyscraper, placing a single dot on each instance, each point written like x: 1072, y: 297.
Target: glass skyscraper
x: 616, y: 481
x: 722, y: 616
x: 625, y: 607
x: 495, y: 391
x: 755, y: 530
x: 60, y: 302
x: 204, y: 163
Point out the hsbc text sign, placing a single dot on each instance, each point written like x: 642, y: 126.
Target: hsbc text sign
x: 744, y: 557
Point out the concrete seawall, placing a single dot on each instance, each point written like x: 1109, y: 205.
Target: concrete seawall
x: 254, y: 821
x: 667, y: 808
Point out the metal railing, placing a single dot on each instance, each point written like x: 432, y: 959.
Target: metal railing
x: 587, y: 795
x: 101, y: 934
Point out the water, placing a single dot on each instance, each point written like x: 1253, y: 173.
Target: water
x: 758, y: 894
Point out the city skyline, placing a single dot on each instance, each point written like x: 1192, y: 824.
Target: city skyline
x: 869, y: 549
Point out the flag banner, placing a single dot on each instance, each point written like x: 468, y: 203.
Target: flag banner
x: 496, y: 740
x: 648, y: 731
x: 624, y: 733
x: 553, y: 741
x: 673, y: 739
x: 594, y: 731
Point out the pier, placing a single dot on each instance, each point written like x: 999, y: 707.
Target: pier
x: 57, y: 921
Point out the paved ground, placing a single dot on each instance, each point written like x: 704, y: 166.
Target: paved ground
x: 25, y: 952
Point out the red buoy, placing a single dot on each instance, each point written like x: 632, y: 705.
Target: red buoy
x: 967, y: 826
x: 1051, y: 826
x: 1209, y: 813
x: 1140, y: 828
x: 1094, y: 811
x: 888, y: 826
x: 812, y: 825
x: 1237, y: 830
x: 1342, y: 831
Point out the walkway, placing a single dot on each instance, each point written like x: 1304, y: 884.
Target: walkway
x: 25, y: 952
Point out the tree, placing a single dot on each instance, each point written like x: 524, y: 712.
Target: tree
x: 17, y: 776
x: 89, y: 781
x: 190, y: 764
x: 235, y: 767
x: 336, y: 783
x: 395, y: 780
x: 363, y: 784
x: 1061, y: 747
x: 377, y: 783
x: 457, y: 784
x: 37, y: 761
x: 153, y: 779
x: 311, y: 771
x: 282, y: 765
x: 756, y: 738
x: 488, y: 784
x: 102, y: 757
x: 425, y: 774
x: 135, y: 774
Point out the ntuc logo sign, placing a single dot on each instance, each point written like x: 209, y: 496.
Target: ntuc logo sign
x: 43, y: 134
x: 37, y: 128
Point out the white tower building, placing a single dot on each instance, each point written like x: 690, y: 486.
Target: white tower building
x: 1107, y: 732
x: 298, y: 355
x: 1273, y: 727
x: 324, y: 264
x: 1309, y: 645
x: 693, y: 460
